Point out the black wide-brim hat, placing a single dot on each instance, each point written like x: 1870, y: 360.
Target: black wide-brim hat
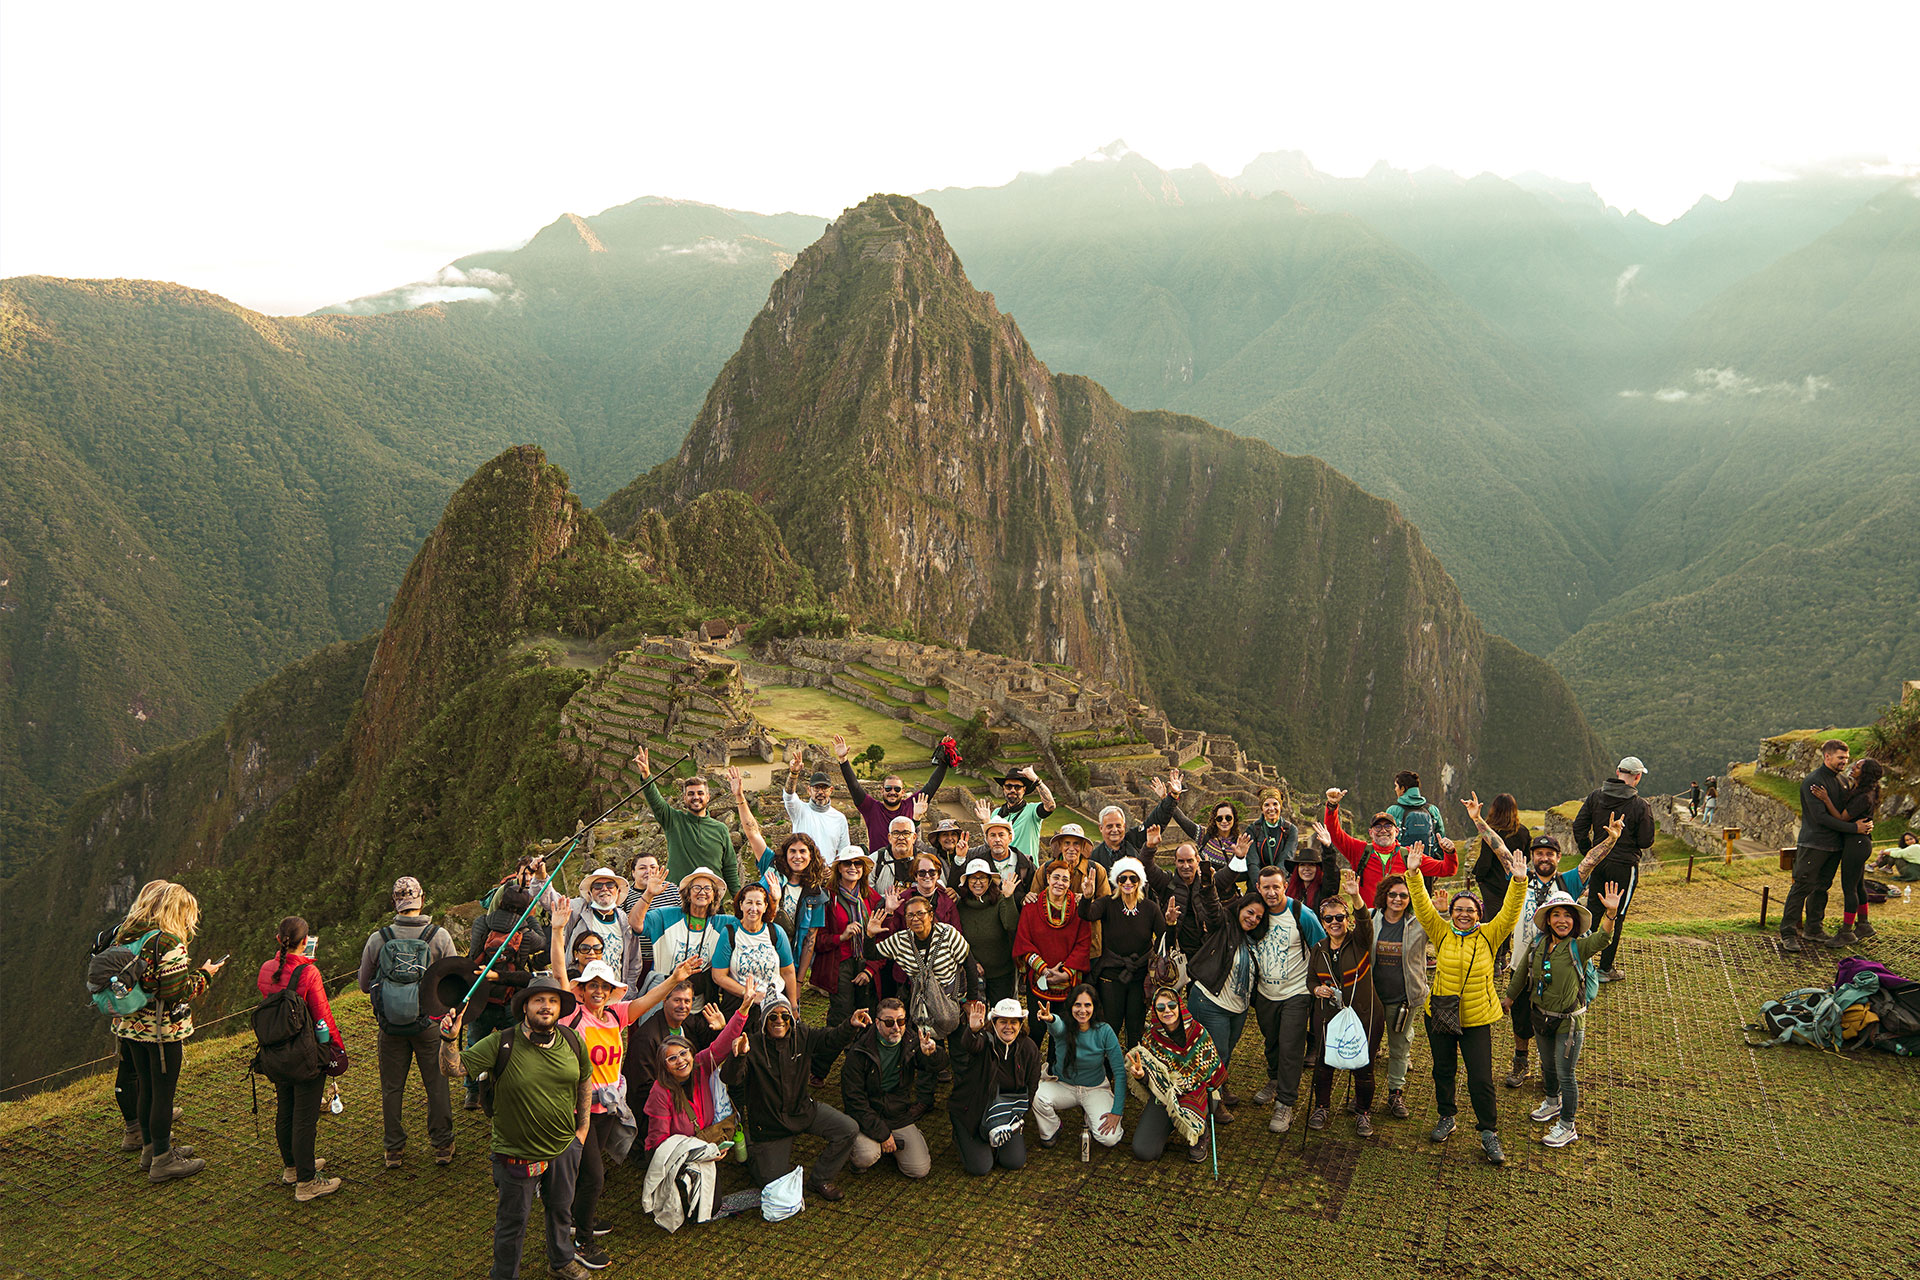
x: 447, y: 980
x: 544, y: 983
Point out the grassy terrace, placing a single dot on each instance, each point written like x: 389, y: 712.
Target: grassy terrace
x: 1701, y: 1157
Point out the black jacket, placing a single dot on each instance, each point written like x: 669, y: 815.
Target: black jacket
x: 983, y: 1068
x: 879, y: 1114
x: 1590, y: 824
x: 1134, y: 843
x: 1818, y: 828
x: 1200, y: 909
x: 774, y: 1074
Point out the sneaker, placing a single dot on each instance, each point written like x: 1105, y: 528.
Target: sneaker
x: 394, y: 1159
x: 130, y: 1139
x: 306, y: 1191
x: 1615, y: 974
x: 1051, y: 1141
x: 1817, y: 933
x: 825, y: 1190
x: 1490, y: 1143
x: 1845, y: 938
x: 1863, y: 930
x: 1517, y: 1076
x: 602, y: 1228
x: 1317, y: 1118
x: 1397, y: 1104
x: 1790, y: 943
x: 291, y: 1175
x: 1560, y: 1135
x: 1263, y: 1096
x: 1548, y: 1110
x: 174, y: 1165
x: 1363, y: 1124
x: 1282, y: 1118
x: 591, y: 1256
x: 443, y: 1155
x: 574, y: 1270
x: 1442, y: 1131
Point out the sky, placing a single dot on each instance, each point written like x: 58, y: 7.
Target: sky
x: 291, y: 156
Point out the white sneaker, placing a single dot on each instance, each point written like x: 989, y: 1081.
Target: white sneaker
x: 1562, y: 1134
x: 1548, y: 1110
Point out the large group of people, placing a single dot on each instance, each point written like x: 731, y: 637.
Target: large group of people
x: 654, y: 1019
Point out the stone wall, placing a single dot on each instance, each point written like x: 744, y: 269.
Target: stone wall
x: 1760, y: 817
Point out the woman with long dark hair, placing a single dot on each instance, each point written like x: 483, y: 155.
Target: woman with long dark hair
x: 1856, y: 804
x: 1489, y: 872
x: 1089, y: 1072
x: 1221, y: 983
x: 1220, y: 843
x: 297, y: 1105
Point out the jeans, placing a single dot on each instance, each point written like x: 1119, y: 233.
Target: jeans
x: 516, y: 1201
x: 1399, y: 1049
x: 1284, y: 1025
x: 1123, y: 1006
x: 1559, y: 1052
x: 593, y: 1173
x: 769, y: 1159
x: 1055, y: 1096
x: 156, y: 1069
x: 910, y: 1152
x: 1813, y: 872
x: 296, y: 1118
x: 978, y: 1156
x: 398, y: 1055
x: 1222, y: 1028
x: 1626, y: 879
x: 1475, y: 1044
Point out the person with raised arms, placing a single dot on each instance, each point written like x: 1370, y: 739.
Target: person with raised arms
x: 996, y: 1075
x: 692, y: 929
x: 794, y: 875
x: 1381, y: 854
x: 695, y: 840
x: 1551, y: 976
x: 814, y: 815
x: 894, y: 800
x: 1023, y: 812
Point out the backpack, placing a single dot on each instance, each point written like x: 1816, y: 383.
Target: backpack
x: 508, y: 1036
x: 1808, y: 1016
x: 1876, y: 890
x: 1416, y: 827
x: 398, y: 969
x: 117, y: 974
x: 289, y: 1051
x: 1589, y: 971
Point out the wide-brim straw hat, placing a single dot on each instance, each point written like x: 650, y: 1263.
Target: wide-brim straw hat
x: 1582, y: 918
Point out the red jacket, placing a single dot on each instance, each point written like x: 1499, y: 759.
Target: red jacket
x: 1375, y: 863
x: 829, y: 951
x: 1040, y: 944
x: 304, y: 976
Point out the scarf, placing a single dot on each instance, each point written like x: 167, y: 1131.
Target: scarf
x: 853, y: 902
x: 1180, y: 1071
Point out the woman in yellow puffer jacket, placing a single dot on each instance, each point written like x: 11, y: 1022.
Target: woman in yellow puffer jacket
x: 1465, y: 974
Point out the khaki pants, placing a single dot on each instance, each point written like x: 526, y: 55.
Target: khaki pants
x: 910, y: 1152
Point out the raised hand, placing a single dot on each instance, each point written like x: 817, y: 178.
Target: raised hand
x: 1515, y: 863
x: 839, y: 747
x: 735, y: 781
x: 1008, y: 884
x: 919, y: 806
x: 1472, y: 805
x: 1175, y: 783
x: 1152, y: 840
x: 1172, y: 915
x: 1244, y: 843
x: 892, y: 899
x: 976, y: 1016
x: 563, y: 912
x: 1159, y: 786
x: 1416, y: 851
x: 657, y: 881
x: 751, y: 993
x: 1320, y: 831
x: 982, y: 810
x: 1030, y: 774
x: 1334, y: 796
x: 1616, y: 823
x: 927, y: 1045
x: 1349, y: 883
x: 862, y: 1018
x: 1610, y: 898
x: 1134, y: 1068
x: 642, y: 761
x: 686, y: 969
x: 716, y: 1020
x: 960, y: 850
x: 739, y: 1046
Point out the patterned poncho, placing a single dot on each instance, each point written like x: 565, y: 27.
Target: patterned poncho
x: 1181, y: 1064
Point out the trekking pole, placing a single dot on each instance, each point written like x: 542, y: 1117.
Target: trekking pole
x: 566, y: 853
x: 1213, y: 1136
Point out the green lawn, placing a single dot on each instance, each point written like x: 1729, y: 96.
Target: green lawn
x: 817, y: 714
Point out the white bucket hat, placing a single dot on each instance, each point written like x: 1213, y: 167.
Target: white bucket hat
x: 1582, y: 918
x: 1008, y: 1008
x: 852, y: 853
x: 602, y: 970
x: 1071, y: 831
x: 976, y: 867
x: 620, y: 882
x: 719, y: 885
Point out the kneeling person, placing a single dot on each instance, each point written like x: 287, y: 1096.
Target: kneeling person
x: 887, y: 1083
x: 773, y: 1072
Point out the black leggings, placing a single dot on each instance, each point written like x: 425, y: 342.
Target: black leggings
x: 157, y: 1071
x: 1854, y: 852
x: 593, y: 1174
x: 1475, y: 1044
x: 296, y: 1121
x: 1123, y: 1006
x: 126, y: 1086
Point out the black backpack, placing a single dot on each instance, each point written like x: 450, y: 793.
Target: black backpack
x: 508, y: 1037
x: 289, y: 1051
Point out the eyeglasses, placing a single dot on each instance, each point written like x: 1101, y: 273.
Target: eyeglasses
x: 893, y: 1022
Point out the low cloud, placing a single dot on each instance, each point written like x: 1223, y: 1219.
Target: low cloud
x: 709, y: 248
x: 449, y: 284
x: 1722, y: 384
x: 1624, y: 283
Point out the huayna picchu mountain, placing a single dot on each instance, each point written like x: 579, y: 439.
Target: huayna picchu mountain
x: 934, y: 475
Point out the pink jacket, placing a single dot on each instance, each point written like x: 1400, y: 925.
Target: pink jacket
x: 304, y: 976
x: 664, y: 1120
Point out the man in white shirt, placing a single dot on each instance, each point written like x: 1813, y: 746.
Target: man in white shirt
x: 814, y: 815
x: 1282, y: 1005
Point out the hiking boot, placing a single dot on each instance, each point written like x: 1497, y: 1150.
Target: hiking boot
x: 1263, y: 1096
x: 1442, y: 1131
x: 291, y: 1175
x: 1490, y: 1143
x: 1051, y: 1140
x: 394, y: 1159
x: 1863, y: 930
x: 1845, y: 938
x: 146, y: 1155
x: 1197, y: 1153
x: 305, y: 1191
x: 602, y: 1228
x: 1317, y: 1118
x: 591, y: 1256
x: 1229, y: 1098
x: 443, y: 1155
x: 172, y: 1165
x: 1817, y: 933
x: 1363, y: 1124
x: 1397, y: 1104
x: 1548, y: 1110
x: 1282, y: 1118
x: 1517, y: 1076
x: 574, y: 1270
x: 1222, y: 1114
x: 1615, y: 974
x: 1561, y: 1134
x: 825, y: 1190
x: 1790, y: 942
x: 131, y: 1139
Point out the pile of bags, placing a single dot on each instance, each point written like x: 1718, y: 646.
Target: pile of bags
x: 1868, y: 1007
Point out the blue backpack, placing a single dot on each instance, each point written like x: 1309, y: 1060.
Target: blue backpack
x: 117, y: 975
x: 1416, y: 827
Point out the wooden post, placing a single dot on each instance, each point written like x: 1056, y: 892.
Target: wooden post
x: 1764, y: 890
x: 1689, y: 868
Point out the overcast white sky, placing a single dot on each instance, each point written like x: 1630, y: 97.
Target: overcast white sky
x: 293, y: 155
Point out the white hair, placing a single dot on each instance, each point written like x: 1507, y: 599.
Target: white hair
x: 1113, y: 808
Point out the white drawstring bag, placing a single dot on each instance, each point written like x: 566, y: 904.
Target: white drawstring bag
x: 1344, y: 1042
x: 781, y: 1198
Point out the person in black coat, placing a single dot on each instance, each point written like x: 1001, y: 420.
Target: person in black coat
x: 773, y: 1075
x: 996, y: 1074
x: 1193, y: 889
x: 886, y: 1081
x: 1619, y: 794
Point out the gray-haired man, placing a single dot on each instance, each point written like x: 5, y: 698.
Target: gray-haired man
x: 391, y: 956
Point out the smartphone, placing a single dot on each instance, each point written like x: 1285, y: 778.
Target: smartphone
x: 313, y: 945
x: 224, y: 959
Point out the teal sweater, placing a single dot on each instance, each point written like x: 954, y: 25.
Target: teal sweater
x: 1097, y: 1053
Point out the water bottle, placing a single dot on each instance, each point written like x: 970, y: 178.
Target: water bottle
x: 321, y: 1033
x: 1906, y: 895
x: 1086, y: 1145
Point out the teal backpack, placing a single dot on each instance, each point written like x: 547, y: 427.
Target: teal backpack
x: 398, y: 970
x: 117, y: 975
x: 1808, y: 1016
x: 1416, y: 827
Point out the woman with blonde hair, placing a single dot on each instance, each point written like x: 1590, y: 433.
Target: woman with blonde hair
x: 157, y: 1031
x: 126, y: 1084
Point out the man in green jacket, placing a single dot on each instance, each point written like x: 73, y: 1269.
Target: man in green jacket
x: 1419, y: 818
x: 693, y: 839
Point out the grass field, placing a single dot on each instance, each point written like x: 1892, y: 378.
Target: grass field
x: 1699, y: 1158
x: 816, y: 715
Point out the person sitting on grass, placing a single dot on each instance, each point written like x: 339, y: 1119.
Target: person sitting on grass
x: 682, y: 1101
x: 996, y: 1075
x: 1902, y: 862
x: 1089, y: 1072
x: 1552, y: 978
x: 1180, y: 1066
x: 772, y: 1078
x: 1462, y: 1005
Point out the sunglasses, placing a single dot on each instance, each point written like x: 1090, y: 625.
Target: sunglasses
x: 924, y: 874
x: 893, y: 1022
x: 1327, y: 919
x: 1165, y: 1008
x: 892, y: 788
x: 1129, y: 878
x: 589, y: 949
x: 1399, y: 893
